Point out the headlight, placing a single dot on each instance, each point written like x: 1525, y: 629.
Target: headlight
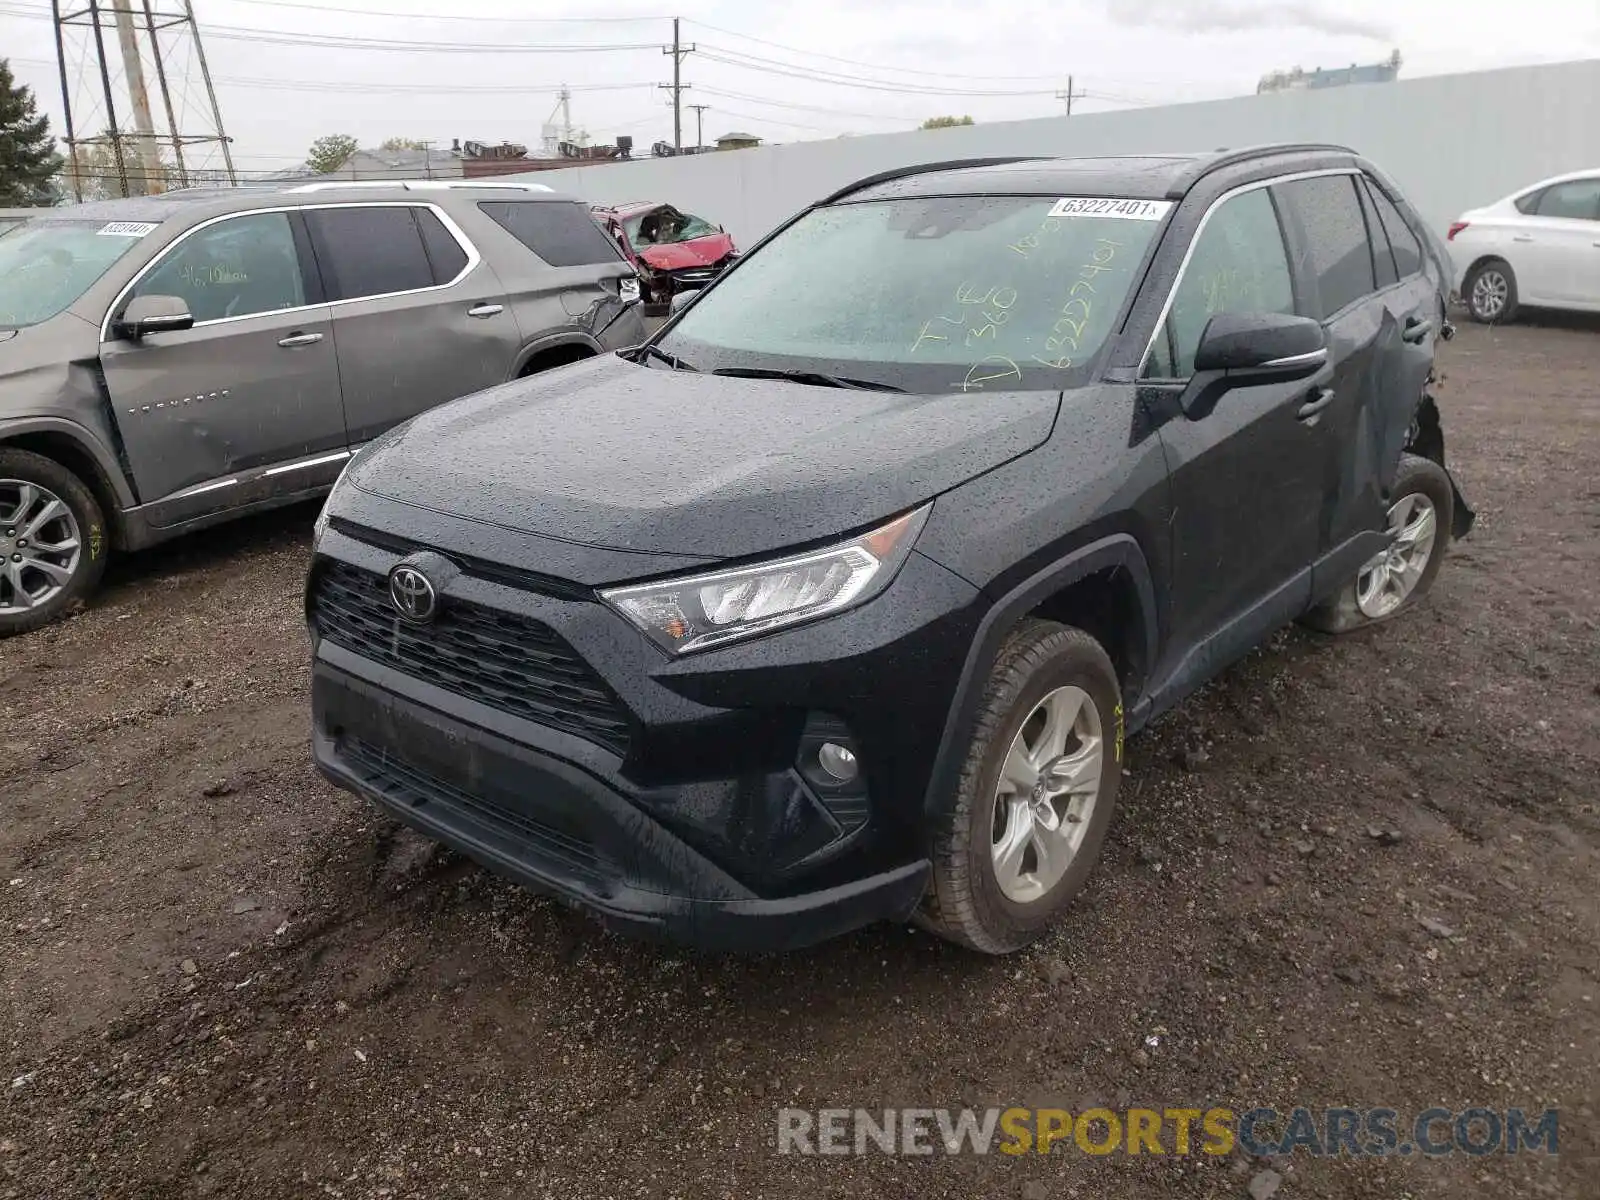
x: 696, y: 612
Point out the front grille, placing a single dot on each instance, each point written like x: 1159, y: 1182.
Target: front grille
x: 502, y: 659
x: 398, y: 781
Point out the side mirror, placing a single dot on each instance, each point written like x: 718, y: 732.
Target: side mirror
x: 1261, y: 347
x: 152, y: 314
x: 679, y: 299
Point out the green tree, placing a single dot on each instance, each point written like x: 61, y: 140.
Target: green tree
x: 28, y: 158
x: 400, y: 143
x: 331, y: 152
x: 947, y: 122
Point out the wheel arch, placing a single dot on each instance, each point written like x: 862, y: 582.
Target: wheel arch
x: 1104, y: 588
x: 560, y: 348
x: 76, y: 449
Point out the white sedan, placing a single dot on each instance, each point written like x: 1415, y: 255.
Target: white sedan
x: 1539, y: 246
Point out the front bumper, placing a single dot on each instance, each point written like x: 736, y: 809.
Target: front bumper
x: 697, y: 824
x: 557, y: 830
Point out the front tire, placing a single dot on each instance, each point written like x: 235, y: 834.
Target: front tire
x: 1491, y: 293
x: 1421, y: 515
x: 1018, y: 837
x: 52, y: 541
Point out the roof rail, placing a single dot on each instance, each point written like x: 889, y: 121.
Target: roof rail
x: 954, y: 164
x: 1224, y: 157
x: 415, y: 185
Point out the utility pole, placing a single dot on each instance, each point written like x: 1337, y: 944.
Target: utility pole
x: 699, y: 125
x: 1069, y: 95
x: 678, y: 50
x: 148, y: 153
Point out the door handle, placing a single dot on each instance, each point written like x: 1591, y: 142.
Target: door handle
x: 1522, y: 237
x: 1320, y: 399
x: 1417, y: 330
x: 299, y: 339
x: 486, y: 310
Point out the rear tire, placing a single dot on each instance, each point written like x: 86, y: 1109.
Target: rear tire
x: 53, y: 542
x: 986, y: 894
x: 1490, y: 293
x: 1394, y: 581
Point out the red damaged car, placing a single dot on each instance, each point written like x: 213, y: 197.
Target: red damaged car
x: 671, y: 250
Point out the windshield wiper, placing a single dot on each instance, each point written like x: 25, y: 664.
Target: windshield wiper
x: 651, y: 350
x: 816, y: 378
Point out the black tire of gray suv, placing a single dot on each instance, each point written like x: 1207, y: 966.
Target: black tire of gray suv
x: 965, y: 902
x: 1345, y: 610
x: 26, y: 467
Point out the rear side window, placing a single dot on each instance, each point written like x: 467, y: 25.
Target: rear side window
x: 444, y: 252
x: 1407, y: 250
x: 1382, y: 255
x: 369, y: 251
x: 1336, y: 236
x: 1577, y: 200
x: 562, y: 234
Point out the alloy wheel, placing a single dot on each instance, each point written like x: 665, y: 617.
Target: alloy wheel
x: 1490, y: 293
x: 40, y: 545
x: 1389, y: 578
x: 1046, y: 794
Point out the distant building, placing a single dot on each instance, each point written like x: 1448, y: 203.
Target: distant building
x: 1298, y: 79
x: 401, y: 164
x: 737, y: 141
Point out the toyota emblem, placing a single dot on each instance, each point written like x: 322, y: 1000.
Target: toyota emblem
x: 413, y: 595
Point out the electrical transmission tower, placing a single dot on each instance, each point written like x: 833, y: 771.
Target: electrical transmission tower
x: 105, y: 88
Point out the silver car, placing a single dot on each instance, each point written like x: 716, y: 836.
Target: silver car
x: 170, y: 362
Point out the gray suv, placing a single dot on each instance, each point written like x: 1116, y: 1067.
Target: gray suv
x: 171, y: 362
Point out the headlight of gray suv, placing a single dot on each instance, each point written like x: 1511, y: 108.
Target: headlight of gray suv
x: 697, y: 612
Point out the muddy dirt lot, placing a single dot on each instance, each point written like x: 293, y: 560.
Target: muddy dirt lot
x: 219, y: 977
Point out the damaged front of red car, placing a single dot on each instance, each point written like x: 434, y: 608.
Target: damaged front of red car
x: 673, y: 251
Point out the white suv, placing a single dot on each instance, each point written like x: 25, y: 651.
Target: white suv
x: 1539, y: 246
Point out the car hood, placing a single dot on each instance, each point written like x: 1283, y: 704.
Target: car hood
x: 611, y: 454
x: 677, y: 256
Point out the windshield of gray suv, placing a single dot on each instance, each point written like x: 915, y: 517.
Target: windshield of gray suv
x: 962, y: 293
x: 46, y: 265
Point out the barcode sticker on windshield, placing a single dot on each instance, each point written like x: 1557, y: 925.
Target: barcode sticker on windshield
x: 126, y: 229
x: 1127, y: 210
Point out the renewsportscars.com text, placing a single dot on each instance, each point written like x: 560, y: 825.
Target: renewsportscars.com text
x: 1375, y: 1132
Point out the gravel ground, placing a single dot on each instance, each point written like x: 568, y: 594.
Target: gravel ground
x: 219, y: 977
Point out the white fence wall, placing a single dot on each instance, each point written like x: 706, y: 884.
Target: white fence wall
x: 1453, y: 142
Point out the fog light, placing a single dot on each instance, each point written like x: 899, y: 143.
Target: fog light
x: 838, y: 762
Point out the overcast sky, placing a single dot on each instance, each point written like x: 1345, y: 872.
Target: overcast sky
x: 782, y: 71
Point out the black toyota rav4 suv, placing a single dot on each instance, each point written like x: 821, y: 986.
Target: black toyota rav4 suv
x: 834, y: 602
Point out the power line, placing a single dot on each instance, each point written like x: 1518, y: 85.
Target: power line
x: 792, y: 71
x: 332, y: 41
x: 375, y: 88
x: 440, y: 16
x: 816, y: 108
x: 854, y: 62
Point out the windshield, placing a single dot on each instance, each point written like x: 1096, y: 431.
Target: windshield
x: 46, y: 265
x: 931, y: 294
